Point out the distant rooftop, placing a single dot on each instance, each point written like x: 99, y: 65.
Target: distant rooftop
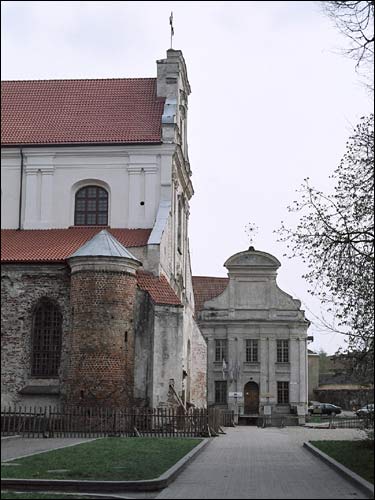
x: 207, y: 288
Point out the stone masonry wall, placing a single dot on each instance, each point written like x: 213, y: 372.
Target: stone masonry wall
x: 22, y: 286
x: 102, y: 341
x: 198, y: 391
x: 144, y: 344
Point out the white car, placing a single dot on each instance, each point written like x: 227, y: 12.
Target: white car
x: 365, y: 410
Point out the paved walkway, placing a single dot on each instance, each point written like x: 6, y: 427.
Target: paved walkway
x: 249, y: 462
x: 19, y: 447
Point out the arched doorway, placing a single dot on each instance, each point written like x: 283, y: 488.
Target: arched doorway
x: 251, y: 398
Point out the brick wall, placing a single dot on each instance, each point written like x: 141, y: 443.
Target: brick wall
x: 102, y: 339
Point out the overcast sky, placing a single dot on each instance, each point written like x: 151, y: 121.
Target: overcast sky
x: 273, y: 101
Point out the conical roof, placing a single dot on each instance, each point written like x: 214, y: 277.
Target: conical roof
x: 103, y: 244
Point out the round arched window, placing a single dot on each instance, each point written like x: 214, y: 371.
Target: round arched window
x: 91, y: 207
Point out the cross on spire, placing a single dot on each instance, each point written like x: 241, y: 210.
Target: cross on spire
x: 171, y: 23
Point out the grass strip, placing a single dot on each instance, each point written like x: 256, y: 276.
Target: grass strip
x: 107, y: 459
x: 358, y: 456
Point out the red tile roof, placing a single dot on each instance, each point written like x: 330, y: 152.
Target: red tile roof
x: 207, y: 288
x: 55, y: 245
x: 158, y: 287
x: 80, y: 111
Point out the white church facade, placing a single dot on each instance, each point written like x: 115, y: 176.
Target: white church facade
x: 257, y: 340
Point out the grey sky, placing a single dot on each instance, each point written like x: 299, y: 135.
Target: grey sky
x: 273, y: 101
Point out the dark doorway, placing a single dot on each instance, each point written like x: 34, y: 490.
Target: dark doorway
x: 251, y: 397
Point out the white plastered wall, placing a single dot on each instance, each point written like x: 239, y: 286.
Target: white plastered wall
x: 131, y: 174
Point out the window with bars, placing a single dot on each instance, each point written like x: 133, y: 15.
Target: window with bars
x: 221, y: 392
x: 220, y: 349
x: 251, y: 351
x: 46, y: 339
x: 283, y: 351
x: 282, y: 393
x: 91, y: 207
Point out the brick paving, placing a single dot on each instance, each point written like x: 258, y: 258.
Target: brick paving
x: 249, y: 462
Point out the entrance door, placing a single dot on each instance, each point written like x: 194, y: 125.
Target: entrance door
x: 251, y: 392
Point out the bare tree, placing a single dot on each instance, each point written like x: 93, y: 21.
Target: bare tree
x: 335, y: 238
x: 355, y: 20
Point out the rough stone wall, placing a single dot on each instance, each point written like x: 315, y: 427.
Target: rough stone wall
x: 102, y: 341
x: 313, y: 374
x: 198, y: 388
x: 143, y: 348
x: 347, y: 399
x: 167, y: 352
x: 22, y: 286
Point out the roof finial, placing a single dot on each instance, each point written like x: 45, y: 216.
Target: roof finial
x: 251, y: 230
x: 171, y: 23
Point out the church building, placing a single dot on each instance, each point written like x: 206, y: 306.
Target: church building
x: 257, y: 340
x: 96, y: 286
x: 98, y: 303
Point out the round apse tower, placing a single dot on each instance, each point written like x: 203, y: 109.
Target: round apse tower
x: 101, y: 352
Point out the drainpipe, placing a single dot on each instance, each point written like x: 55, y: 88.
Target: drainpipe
x: 21, y: 182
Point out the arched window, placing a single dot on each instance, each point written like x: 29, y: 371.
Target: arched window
x: 46, y: 339
x: 91, y: 207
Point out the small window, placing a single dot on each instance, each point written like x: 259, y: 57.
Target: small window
x: 220, y: 349
x: 283, y: 351
x: 251, y: 351
x: 282, y: 393
x: 46, y: 339
x: 221, y: 392
x: 91, y: 207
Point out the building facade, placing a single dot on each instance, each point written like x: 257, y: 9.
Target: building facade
x: 80, y: 157
x: 257, y: 339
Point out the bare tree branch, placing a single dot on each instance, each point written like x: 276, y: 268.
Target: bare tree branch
x: 335, y: 238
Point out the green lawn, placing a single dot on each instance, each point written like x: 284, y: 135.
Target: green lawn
x: 357, y: 456
x: 10, y: 495
x: 111, y: 459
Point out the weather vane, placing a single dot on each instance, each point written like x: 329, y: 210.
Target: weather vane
x: 171, y: 23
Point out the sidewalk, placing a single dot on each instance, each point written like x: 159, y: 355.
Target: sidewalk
x: 253, y: 463
x: 19, y: 447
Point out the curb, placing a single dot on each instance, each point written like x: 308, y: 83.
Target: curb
x: 73, y: 486
x: 3, y: 438
x: 365, y: 486
x: 82, y: 496
x: 319, y: 426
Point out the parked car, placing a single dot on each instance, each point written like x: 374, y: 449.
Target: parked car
x: 324, y: 409
x: 365, y: 410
